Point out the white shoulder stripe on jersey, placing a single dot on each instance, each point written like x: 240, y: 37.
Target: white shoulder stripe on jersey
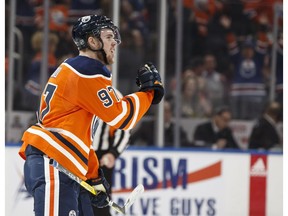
x: 87, y: 76
x: 136, y: 109
x: 59, y: 148
x: 72, y: 136
x: 119, y: 117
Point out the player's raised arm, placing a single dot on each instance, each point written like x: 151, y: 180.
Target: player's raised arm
x: 100, y: 98
x: 130, y: 109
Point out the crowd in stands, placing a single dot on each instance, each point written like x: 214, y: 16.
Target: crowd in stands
x: 226, y: 49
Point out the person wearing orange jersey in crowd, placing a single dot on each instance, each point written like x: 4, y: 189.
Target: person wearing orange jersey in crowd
x: 76, y: 95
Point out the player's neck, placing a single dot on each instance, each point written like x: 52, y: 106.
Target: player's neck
x: 90, y: 54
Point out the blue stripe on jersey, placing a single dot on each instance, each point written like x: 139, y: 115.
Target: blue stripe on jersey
x: 71, y: 146
x: 88, y: 66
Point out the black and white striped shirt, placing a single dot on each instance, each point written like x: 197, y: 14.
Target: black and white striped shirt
x: 107, y: 139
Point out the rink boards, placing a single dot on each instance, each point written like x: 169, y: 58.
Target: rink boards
x: 179, y: 182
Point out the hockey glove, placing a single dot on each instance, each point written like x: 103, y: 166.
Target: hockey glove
x: 102, y: 187
x: 100, y: 200
x: 147, y: 79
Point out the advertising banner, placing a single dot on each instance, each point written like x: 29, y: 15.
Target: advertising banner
x: 179, y: 182
x: 183, y: 182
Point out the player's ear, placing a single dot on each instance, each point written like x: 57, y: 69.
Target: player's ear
x: 94, y: 42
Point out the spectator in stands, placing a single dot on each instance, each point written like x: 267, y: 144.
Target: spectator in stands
x: 216, y: 133
x: 242, y: 24
x: 215, y: 42
x: 194, y: 99
x: 133, y: 18
x: 58, y: 16
x: 196, y: 68
x: 216, y: 83
x: 145, y: 134
x: 60, y: 24
x: 32, y: 89
x: 248, y: 93
x: 25, y: 22
x: 193, y: 90
x: 265, y: 134
x: 202, y: 12
x: 255, y: 9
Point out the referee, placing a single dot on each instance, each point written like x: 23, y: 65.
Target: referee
x: 108, y: 144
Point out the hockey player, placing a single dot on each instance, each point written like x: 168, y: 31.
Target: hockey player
x: 77, y: 94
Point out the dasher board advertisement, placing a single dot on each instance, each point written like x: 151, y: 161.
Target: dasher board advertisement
x: 178, y: 182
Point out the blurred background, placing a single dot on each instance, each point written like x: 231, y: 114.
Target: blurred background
x: 210, y: 53
x: 221, y: 62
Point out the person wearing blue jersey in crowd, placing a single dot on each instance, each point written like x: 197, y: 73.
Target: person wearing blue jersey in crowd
x: 248, y: 91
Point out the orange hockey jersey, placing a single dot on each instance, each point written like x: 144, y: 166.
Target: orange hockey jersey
x: 77, y: 93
